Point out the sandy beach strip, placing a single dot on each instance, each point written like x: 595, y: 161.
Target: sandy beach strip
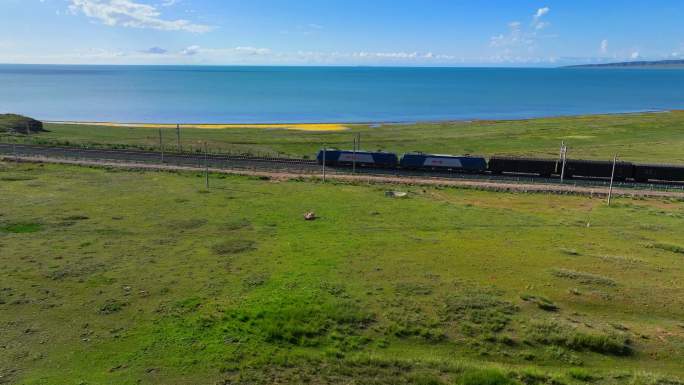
x: 314, y: 127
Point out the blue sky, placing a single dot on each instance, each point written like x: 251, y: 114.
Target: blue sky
x: 336, y: 32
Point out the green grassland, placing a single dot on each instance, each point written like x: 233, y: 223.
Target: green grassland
x: 123, y: 277
x: 657, y: 137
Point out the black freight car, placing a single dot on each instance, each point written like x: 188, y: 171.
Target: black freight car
x: 542, y: 167
x: 659, y: 172
x: 598, y: 169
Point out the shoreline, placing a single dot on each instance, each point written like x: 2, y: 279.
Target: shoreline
x: 335, y: 126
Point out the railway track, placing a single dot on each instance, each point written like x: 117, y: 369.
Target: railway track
x: 295, y: 165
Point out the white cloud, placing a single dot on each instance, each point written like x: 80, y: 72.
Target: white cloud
x: 128, y: 13
x: 305, y: 29
x: 155, y: 51
x: 520, y: 36
x: 537, y: 22
x: 514, y: 37
x: 191, y: 50
x: 635, y: 55
x: 253, y: 50
x: 604, y: 46
x: 541, y: 12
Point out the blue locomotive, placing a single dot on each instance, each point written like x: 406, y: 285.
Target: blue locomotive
x: 360, y: 158
x: 419, y: 161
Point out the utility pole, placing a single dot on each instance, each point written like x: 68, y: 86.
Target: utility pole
x: 161, y: 145
x: 560, y: 156
x: 565, y: 157
x: 324, y: 151
x: 206, y: 165
x: 178, y: 142
x: 612, y: 178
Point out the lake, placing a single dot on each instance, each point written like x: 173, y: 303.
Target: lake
x: 198, y: 94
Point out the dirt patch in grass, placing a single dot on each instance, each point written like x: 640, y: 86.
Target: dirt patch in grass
x: 75, y: 270
x: 112, y: 306
x: 186, y: 224
x: 237, y: 224
x: 541, y: 302
x: 584, y: 278
x: 233, y: 246
x: 412, y: 289
x: 77, y: 217
x: 16, y: 178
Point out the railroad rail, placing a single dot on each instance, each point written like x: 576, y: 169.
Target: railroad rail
x: 282, y: 164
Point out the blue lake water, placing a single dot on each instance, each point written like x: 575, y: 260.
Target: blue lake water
x: 195, y: 94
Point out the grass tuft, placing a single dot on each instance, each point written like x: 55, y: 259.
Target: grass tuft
x: 555, y: 334
x: 484, y: 377
x: 669, y: 247
x: 21, y: 228
x: 478, y: 311
x: 585, y: 278
x: 581, y: 375
x: 233, y: 246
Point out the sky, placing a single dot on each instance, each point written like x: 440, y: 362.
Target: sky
x: 340, y: 32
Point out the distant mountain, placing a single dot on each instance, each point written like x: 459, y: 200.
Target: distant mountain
x: 635, y: 64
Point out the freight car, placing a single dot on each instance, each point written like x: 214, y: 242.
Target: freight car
x: 361, y: 158
x: 598, y: 169
x: 658, y: 172
x: 505, y: 164
x: 419, y: 161
x: 541, y: 167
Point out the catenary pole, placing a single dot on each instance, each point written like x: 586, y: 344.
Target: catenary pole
x: 560, y: 155
x: 565, y: 157
x: 324, y: 151
x: 161, y: 145
x: 612, y: 178
x: 354, y: 157
x: 206, y: 165
x: 178, y: 141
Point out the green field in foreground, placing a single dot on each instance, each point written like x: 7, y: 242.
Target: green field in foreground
x: 656, y: 137
x: 121, y: 277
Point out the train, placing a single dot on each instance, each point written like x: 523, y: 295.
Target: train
x: 547, y: 168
